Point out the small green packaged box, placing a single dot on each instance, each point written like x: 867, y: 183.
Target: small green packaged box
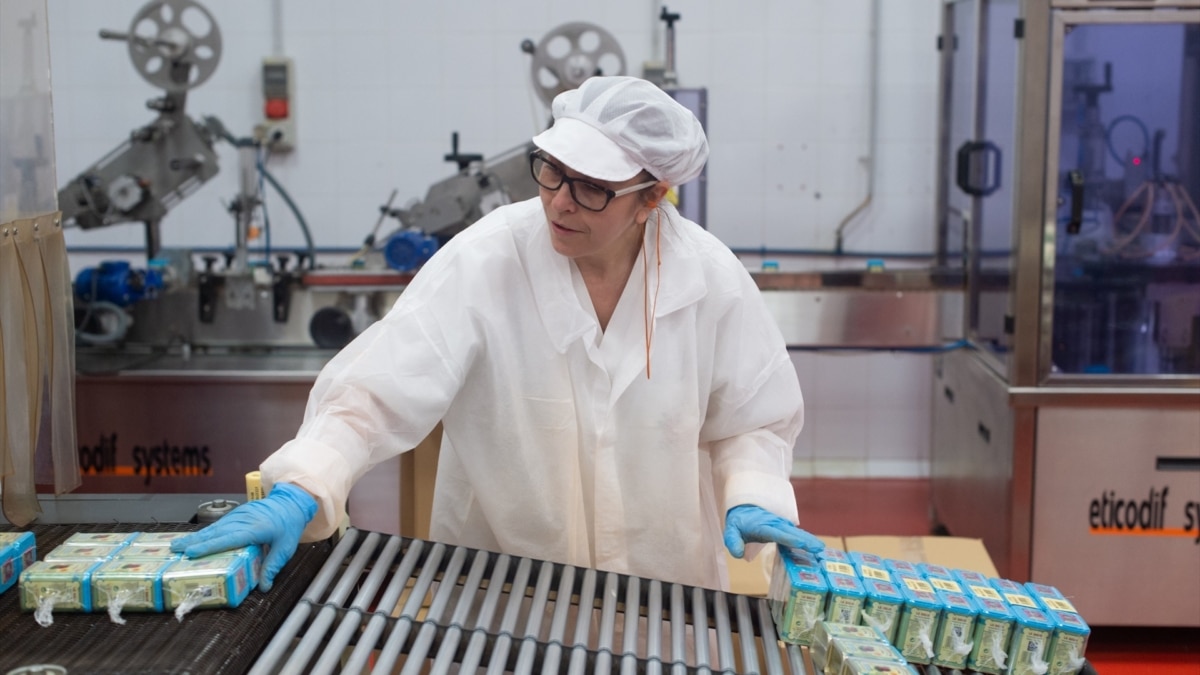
x: 156, y: 538
x: 47, y: 586
x: 205, y: 582
x: 160, y: 552
x: 1015, y: 594
x: 901, y: 567
x: 993, y: 631
x: 969, y: 577
x: 1030, y: 649
x: 100, y: 538
x: 842, y: 649
x: 133, y: 584
x: 95, y: 552
x: 846, y: 596
x: 955, y: 636
x: 1069, y: 643
x: 213, y: 581
x: 919, y: 620
x: 1050, y: 597
x: 944, y: 584
x: 882, y: 606
x: 859, y: 558
x: 931, y: 571
x: 829, y: 554
x: 18, y: 550
x: 826, y: 632
x: 797, y: 596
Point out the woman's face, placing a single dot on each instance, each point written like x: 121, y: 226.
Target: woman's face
x: 600, y: 236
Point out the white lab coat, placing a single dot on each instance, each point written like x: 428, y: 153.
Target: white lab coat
x: 555, y: 444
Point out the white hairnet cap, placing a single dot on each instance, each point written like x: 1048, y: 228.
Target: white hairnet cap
x: 611, y: 128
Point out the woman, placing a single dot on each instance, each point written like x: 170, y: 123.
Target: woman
x: 612, y: 389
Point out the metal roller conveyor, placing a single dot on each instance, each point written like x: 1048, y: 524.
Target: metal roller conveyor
x: 386, y: 604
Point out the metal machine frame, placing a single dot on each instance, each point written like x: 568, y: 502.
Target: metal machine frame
x: 1006, y: 424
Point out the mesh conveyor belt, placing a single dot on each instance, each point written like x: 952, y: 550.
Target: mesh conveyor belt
x: 388, y: 604
x: 207, y: 641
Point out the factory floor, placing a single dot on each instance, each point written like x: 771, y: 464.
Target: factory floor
x: 900, y: 507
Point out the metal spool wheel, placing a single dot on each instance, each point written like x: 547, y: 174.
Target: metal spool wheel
x: 164, y: 32
x: 570, y: 54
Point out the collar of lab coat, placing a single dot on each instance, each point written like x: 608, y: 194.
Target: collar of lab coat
x: 682, y: 283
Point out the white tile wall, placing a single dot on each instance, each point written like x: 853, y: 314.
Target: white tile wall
x: 382, y: 84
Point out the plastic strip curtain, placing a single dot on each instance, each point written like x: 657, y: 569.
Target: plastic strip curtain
x: 37, y: 362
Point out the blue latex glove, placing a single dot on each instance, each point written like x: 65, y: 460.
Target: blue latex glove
x: 275, y: 522
x: 753, y: 524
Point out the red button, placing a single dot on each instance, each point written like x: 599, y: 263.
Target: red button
x: 276, y: 108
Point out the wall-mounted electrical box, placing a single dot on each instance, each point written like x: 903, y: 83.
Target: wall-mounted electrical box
x: 277, y: 131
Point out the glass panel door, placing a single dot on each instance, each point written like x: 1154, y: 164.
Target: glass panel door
x: 1126, y: 295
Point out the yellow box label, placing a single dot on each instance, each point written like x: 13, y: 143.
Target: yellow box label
x: 875, y: 573
x: 1022, y: 600
x: 986, y: 592
x: 839, y: 568
x: 917, y: 585
x: 946, y: 585
x: 1060, y: 605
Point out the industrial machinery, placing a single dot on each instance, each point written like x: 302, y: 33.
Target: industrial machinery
x: 1068, y: 438
x: 561, y: 60
x: 174, y: 45
x: 241, y: 336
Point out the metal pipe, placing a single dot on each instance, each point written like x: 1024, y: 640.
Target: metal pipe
x: 654, y: 628
x: 678, y: 631
x: 453, y: 636
x: 315, y: 635
x: 746, y: 630
x: 725, y: 658
x: 558, y: 624
x: 583, y: 622
x: 283, y: 637
x: 608, y: 620
x: 515, y: 597
x: 416, y: 655
x: 629, y: 644
x: 391, y: 595
x: 770, y: 641
x: 796, y: 659
x: 700, y: 628
x: 395, y: 642
x: 872, y: 130
x: 353, y: 619
x: 533, y: 623
x: 490, y: 601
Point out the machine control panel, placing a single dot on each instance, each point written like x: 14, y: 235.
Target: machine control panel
x: 277, y: 131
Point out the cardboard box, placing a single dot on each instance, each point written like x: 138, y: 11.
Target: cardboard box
x: 952, y: 552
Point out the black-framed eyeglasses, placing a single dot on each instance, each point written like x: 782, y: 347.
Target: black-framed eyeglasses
x: 586, y: 194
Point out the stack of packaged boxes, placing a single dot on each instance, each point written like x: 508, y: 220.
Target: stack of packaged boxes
x: 134, y: 571
x: 927, y: 614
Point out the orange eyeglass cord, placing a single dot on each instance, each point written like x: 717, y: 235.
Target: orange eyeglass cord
x: 648, y: 310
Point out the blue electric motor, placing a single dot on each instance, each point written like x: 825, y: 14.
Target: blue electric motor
x: 114, y: 281
x: 407, y: 250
